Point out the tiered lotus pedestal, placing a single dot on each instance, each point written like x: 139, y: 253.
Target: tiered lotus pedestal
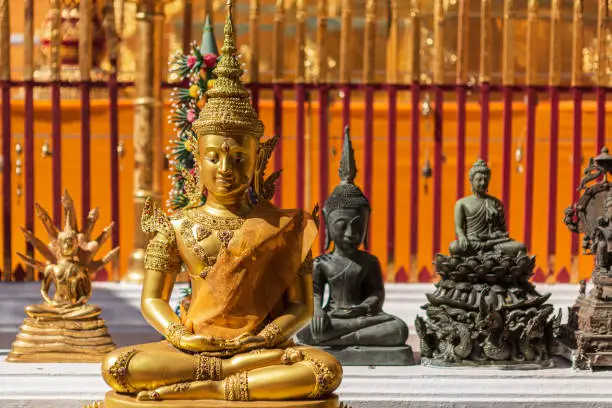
x: 61, y: 341
x: 485, y: 312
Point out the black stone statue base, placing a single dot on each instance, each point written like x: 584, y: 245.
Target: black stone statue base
x: 485, y: 312
x: 375, y: 356
x: 586, y: 340
x: 501, y: 365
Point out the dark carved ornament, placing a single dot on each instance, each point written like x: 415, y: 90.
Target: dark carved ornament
x: 587, y: 337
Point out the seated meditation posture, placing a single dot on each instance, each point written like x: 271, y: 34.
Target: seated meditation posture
x: 484, y: 310
x: 65, y: 327
x: 353, y: 314
x: 251, y: 272
x: 480, y: 224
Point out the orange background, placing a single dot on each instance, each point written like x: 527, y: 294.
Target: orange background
x: 71, y: 170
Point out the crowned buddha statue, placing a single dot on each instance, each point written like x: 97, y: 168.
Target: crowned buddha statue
x: 251, y: 273
x: 484, y: 310
x: 65, y: 328
x: 351, y: 323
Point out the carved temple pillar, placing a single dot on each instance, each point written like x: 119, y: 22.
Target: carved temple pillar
x: 148, y: 123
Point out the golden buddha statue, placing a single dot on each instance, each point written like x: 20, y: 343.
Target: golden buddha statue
x: 251, y: 271
x: 65, y: 328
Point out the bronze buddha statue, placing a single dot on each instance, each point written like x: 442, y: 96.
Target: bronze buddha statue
x: 251, y: 272
x: 352, y: 316
x: 480, y: 224
x: 484, y: 310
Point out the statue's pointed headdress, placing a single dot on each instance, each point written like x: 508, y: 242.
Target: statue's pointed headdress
x: 228, y: 107
x: 346, y: 194
x: 209, y: 44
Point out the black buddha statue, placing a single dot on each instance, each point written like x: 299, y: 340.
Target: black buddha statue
x: 484, y: 310
x: 351, y: 322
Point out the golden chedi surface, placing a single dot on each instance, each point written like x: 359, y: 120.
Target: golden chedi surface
x: 64, y: 327
x: 251, y: 271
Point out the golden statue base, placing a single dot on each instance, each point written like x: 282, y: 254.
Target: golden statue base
x: 115, y: 400
x: 61, y: 341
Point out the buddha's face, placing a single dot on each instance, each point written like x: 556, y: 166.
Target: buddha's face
x: 480, y: 183
x: 347, y: 227
x: 227, y: 165
x: 67, y: 243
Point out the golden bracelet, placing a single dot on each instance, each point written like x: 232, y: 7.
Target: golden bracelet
x: 174, y: 333
x: 273, y: 334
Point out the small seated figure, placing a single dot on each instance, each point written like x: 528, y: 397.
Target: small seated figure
x: 353, y: 314
x: 251, y: 273
x: 65, y: 327
x: 480, y: 225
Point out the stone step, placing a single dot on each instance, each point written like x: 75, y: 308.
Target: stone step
x: 69, y: 385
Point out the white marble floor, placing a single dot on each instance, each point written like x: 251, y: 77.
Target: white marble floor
x: 73, y: 385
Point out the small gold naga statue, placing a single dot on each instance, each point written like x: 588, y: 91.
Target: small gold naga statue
x: 65, y: 328
x: 250, y: 266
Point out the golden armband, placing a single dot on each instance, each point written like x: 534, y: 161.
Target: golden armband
x: 273, y: 335
x: 162, y: 256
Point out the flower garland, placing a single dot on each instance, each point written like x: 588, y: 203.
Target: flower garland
x: 195, y: 70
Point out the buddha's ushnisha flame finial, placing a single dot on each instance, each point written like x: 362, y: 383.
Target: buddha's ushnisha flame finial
x: 348, y: 168
x: 228, y: 109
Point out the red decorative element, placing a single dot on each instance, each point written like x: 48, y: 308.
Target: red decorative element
x: 563, y: 276
x: 278, y: 151
x: 323, y: 158
x: 576, y: 158
x: 424, y: 275
x: 368, y: 150
x: 113, y: 98
x: 507, y: 151
x: 210, y: 60
x: 461, y: 124
x: 5, y: 110
x: 391, y: 171
x: 19, y: 273
x: 101, y: 275
x: 191, y: 116
x: 300, y: 124
x: 485, y: 92
x: 553, y: 171
x: 401, y: 276
x: 437, y: 171
x: 191, y: 61
x: 529, y: 165
x: 539, y: 276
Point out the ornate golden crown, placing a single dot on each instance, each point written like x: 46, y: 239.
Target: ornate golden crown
x: 228, y: 107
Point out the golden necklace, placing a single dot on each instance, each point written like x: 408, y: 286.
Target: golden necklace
x: 204, y: 225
